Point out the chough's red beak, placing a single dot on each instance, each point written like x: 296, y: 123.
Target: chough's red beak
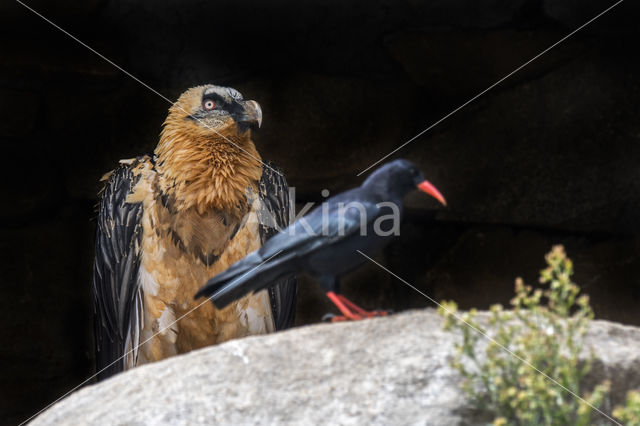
x: 427, y: 187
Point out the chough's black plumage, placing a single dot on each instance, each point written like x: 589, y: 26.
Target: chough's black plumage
x: 325, y: 242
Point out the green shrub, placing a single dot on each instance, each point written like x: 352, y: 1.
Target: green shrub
x: 531, y: 373
x: 629, y: 413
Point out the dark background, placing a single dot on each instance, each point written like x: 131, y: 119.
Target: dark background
x: 549, y: 156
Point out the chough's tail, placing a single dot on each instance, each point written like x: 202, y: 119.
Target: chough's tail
x: 248, y: 275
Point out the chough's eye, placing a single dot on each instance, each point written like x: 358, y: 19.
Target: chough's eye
x: 208, y: 105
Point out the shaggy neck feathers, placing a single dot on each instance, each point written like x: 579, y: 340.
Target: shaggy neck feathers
x: 203, y: 170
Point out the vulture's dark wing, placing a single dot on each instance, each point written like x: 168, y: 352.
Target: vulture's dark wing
x: 274, y: 217
x: 117, y: 296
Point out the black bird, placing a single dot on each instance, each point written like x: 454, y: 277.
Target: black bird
x: 325, y: 242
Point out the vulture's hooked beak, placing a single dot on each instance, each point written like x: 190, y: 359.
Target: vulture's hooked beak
x: 251, y: 115
x: 428, y: 188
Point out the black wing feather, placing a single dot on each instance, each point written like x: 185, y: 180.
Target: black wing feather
x: 274, y: 217
x: 117, y: 297
x: 281, y: 256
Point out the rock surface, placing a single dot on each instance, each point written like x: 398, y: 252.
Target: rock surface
x: 384, y: 371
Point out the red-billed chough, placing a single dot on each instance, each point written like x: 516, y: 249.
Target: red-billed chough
x: 325, y: 242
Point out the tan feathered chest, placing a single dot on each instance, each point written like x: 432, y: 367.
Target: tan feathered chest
x: 180, y: 250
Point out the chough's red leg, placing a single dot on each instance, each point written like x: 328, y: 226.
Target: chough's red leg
x: 345, y: 311
x: 350, y: 310
x: 359, y: 310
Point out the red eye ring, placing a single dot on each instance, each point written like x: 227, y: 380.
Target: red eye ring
x: 208, y: 105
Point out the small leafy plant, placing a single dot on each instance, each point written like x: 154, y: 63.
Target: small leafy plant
x: 530, y: 373
x: 629, y: 413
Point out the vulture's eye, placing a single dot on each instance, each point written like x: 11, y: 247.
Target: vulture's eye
x: 208, y: 105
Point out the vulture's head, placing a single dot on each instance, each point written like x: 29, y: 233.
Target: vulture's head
x: 205, y: 150
x: 215, y: 109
